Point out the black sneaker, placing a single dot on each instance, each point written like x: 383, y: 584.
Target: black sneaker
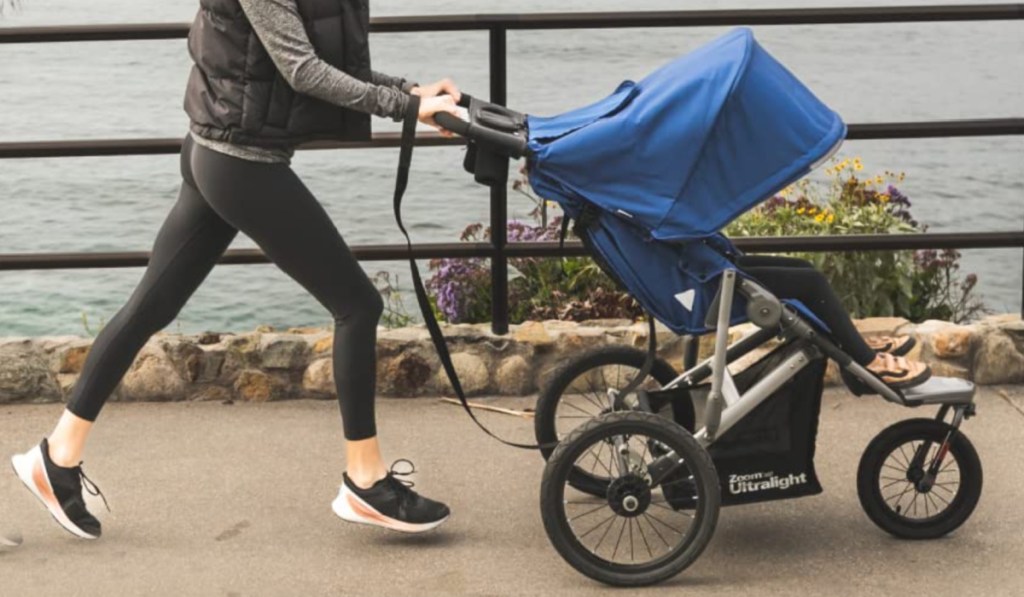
x: 59, y: 489
x: 389, y: 503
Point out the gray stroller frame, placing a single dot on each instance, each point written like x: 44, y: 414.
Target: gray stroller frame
x: 726, y: 406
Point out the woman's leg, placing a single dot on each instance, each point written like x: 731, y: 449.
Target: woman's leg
x: 187, y: 246
x: 271, y: 205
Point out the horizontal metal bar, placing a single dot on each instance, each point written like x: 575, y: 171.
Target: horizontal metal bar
x: 577, y: 20
x: 872, y: 242
x: 110, y: 147
x: 986, y: 127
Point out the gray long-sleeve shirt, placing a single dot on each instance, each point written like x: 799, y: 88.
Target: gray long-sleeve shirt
x: 279, y: 27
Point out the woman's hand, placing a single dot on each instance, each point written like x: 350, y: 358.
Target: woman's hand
x: 432, y: 105
x: 435, y: 89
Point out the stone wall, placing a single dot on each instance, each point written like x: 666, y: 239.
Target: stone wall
x: 267, y: 364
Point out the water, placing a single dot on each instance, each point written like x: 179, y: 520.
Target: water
x: 868, y: 73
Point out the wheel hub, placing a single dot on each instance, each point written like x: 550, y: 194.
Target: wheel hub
x: 629, y: 495
x: 922, y: 483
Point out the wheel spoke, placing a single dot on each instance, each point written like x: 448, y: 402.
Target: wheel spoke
x: 601, y: 507
x: 663, y: 522
x: 619, y: 540
x: 599, y: 525
x: 657, y: 532
x: 640, y: 528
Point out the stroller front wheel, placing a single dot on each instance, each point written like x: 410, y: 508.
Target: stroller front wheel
x: 919, y: 479
x: 637, y: 533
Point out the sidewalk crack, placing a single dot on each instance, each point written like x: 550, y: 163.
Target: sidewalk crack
x: 1006, y: 396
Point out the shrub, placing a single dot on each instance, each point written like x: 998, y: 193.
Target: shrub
x: 915, y: 285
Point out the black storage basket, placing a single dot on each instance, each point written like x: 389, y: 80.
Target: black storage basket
x: 769, y: 454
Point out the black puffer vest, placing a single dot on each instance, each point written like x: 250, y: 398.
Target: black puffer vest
x: 236, y: 94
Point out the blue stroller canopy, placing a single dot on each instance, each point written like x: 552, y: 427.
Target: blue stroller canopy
x: 691, y: 146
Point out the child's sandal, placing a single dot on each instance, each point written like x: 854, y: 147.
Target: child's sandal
x: 896, y: 346
x: 900, y: 373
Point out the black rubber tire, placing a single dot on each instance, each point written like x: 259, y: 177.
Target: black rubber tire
x: 870, y: 469
x: 551, y: 394
x: 544, y: 425
x: 552, y: 496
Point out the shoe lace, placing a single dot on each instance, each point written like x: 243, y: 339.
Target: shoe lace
x: 90, y: 486
x: 404, y: 486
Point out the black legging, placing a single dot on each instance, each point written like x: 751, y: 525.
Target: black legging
x: 221, y: 195
x: 791, y: 278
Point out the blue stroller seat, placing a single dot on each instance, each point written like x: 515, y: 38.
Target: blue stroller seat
x: 655, y: 170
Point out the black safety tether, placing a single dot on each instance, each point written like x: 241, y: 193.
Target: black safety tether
x: 401, y: 183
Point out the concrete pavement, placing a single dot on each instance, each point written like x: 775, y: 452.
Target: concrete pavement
x: 214, y: 499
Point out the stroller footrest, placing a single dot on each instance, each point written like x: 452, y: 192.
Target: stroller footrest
x: 942, y: 390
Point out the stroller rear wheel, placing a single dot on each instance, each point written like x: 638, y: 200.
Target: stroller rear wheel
x: 919, y: 479
x: 579, y: 392
x: 634, y: 534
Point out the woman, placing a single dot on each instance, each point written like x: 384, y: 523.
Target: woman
x: 268, y: 74
x: 797, y: 279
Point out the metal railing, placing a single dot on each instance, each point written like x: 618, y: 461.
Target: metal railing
x: 499, y: 250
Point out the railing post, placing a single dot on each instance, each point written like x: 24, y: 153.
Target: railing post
x: 499, y: 193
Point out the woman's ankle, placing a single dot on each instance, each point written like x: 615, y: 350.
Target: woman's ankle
x: 365, y: 477
x: 61, y: 454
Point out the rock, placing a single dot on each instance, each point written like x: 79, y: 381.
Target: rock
x: 240, y: 352
x: 254, y: 385
x: 514, y: 377
x: 66, y: 381
x: 152, y: 377
x: 324, y: 345
x: 208, y: 338
x: 264, y: 329
x: 211, y: 363
x: 403, y: 375
x: 533, y: 333
x: 25, y: 375
x: 608, y: 323
x: 284, y: 351
x: 952, y: 342
x: 71, y: 357
x: 880, y: 326
x: 304, y: 330
x: 473, y: 373
x: 949, y: 369
x: 998, y: 359
x: 211, y: 393
x: 186, y: 356
x: 319, y: 377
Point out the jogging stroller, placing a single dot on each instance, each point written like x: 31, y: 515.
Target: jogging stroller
x: 650, y: 175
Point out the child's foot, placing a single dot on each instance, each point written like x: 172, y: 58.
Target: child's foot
x: 897, y: 346
x: 898, y: 372
x: 389, y: 503
x: 59, y: 489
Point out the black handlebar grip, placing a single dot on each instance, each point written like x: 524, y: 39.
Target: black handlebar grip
x: 453, y: 123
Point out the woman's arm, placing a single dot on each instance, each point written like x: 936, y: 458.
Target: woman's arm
x: 391, y: 81
x: 278, y: 25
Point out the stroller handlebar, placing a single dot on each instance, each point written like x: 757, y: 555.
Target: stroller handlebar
x: 490, y: 125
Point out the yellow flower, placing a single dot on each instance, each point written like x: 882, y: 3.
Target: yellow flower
x: 800, y: 211
x: 831, y: 218
x: 879, y: 179
x: 858, y: 166
x: 819, y: 217
x: 884, y: 198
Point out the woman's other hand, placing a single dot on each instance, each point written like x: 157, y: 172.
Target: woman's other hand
x: 432, y: 105
x: 435, y: 89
